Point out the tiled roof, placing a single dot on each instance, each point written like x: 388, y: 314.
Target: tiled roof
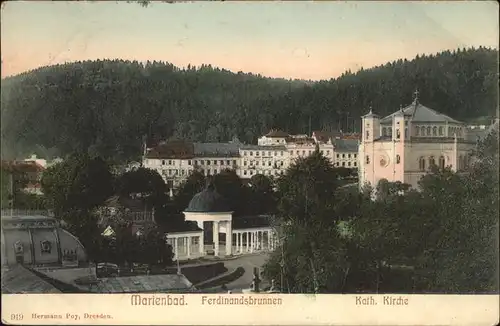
x: 216, y: 149
x: 253, y: 221
x: 324, y: 136
x: 172, y: 149
x: 300, y: 141
x: 263, y: 148
x: 183, y: 226
x: 420, y: 113
x: 22, y: 166
x: 277, y: 134
x: 346, y: 145
x: 18, y: 279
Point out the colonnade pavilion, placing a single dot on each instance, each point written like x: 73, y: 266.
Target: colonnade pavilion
x: 211, y: 212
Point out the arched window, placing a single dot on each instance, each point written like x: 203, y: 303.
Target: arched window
x: 417, y: 131
x: 367, y: 159
x: 428, y: 131
x: 421, y: 164
x: 450, y: 132
x: 422, y: 131
x: 432, y: 161
x: 441, y: 162
x: 435, y: 131
x: 398, y: 159
x: 368, y: 134
x: 398, y: 134
x: 440, y: 131
x: 406, y: 132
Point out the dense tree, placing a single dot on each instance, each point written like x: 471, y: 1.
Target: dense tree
x: 312, y: 256
x: 79, y: 183
x: 193, y: 185
x: 143, y: 183
x: 461, y: 252
x: 152, y: 248
x: 261, y: 197
x: 230, y: 186
x: 106, y: 106
x: 5, y: 188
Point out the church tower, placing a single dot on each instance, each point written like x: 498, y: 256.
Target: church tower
x: 370, y: 126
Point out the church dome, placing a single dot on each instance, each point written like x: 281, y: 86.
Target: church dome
x: 207, y: 201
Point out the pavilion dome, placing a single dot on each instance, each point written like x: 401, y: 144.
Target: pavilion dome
x: 208, y: 201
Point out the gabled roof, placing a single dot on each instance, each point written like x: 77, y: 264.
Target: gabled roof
x: 22, y: 166
x: 277, y: 134
x: 300, y: 141
x: 172, y: 149
x: 420, y: 113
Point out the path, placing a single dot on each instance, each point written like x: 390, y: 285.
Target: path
x: 248, y: 262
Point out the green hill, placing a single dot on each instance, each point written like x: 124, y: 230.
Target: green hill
x: 106, y: 106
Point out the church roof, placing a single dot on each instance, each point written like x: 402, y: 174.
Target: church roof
x: 208, y: 200
x: 346, y: 145
x: 420, y: 113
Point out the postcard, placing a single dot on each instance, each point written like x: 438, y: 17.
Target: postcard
x: 249, y: 163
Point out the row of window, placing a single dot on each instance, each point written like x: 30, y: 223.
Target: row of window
x: 367, y: 159
x: 263, y: 172
x: 262, y: 153
x: 269, y: 163
x: 422, y: 131
x: 203, y: 162
x: 463, y: 162
x: 354, y: 164
x: 348, y: 155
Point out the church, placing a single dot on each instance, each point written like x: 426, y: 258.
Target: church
x: 405, y: 144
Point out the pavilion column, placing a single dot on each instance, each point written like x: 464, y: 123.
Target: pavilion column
x: 176, y: 248
x: 252, y: 241
x: 202, y: 244
x: 189, y: 241
x: 259, y: 240
x: 240, y: 242
x: 270, y: 240
x: 216, y: 238
x: 229, y: 238
x: 247, y: 240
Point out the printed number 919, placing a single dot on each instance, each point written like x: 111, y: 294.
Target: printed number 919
x: 16, y: 316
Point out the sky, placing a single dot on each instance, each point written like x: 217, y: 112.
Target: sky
x: 304, y: 40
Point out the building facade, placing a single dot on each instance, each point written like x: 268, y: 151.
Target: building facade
x: 406, y: 144
x: 275, y: 152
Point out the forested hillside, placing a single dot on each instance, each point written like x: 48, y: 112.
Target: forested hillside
x: 106, y: 106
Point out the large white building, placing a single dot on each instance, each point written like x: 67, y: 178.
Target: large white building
x: 404, y: 145
x: 275, y: 151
